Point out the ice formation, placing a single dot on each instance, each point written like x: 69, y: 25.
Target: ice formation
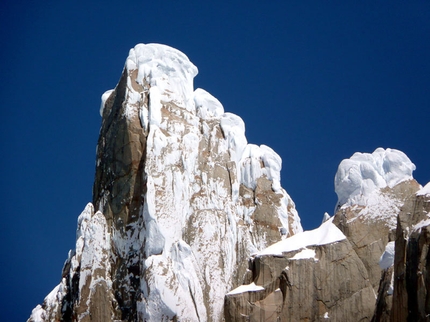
x: 387, y: 258
x: 359, y: 177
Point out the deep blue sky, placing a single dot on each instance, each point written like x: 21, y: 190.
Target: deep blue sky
x: 316, y: 82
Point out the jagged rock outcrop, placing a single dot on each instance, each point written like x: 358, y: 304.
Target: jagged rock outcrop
x: 411, y: 297
x: 181, y: 201
x: 312, y: 276
x: 373, y: 190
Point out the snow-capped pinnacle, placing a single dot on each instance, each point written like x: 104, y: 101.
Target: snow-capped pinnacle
x: 164, y: 67
x: 185, y: 197
x: 364, y: 173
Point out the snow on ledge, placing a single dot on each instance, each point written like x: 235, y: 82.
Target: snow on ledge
x: 325, y: 234
x: 246, y: 288
x: 387, y: 257
x: 358, y: 177
x: 423, y: 223
x: 424, y: 191
x: 104, y: 98
x: 305, y: 254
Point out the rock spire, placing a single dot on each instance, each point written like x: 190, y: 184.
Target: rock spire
x: 180, y: 201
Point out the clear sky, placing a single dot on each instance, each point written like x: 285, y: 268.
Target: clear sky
x: 316, y: 81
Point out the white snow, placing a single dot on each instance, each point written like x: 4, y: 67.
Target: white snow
x: 233, y: 128
x: 273, y: 164
x: 257, y: 161
x: 326, y: 315
x: 358, y: 177
x: 105, y: 96
x: 387, y: 258
x: 425, y: 191
x: 422, y: 223
x: 305, y: 254
x: 390, y: 290
x: 325, y: 217
x: 38, y: 314
x: 167, y: 68
x: 154, y: 112
x: 327, y: 233
x: 246, y: 288
x: 207, y: 106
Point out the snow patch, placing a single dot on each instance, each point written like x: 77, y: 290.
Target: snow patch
x: 105, y: 96
x: 207, y: 106
x: 38, y: 314
x: 390, y: 290
x: 246, y: 288
x: 258, y: 161
x: 387, y: 258
x: 325, y: 217
x: 155, y: 105
x: 424, y: 191
x: 305, y: 254
x: 421, y: 224
x: 233, y: 128
x: 327, y: 233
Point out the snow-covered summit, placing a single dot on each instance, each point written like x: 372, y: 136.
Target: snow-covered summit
x: 181, y: 197
x: 358, y: 177
x: 165, y: 67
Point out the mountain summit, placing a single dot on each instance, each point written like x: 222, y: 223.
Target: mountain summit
x: 189, y: 221
x: 180, y: 201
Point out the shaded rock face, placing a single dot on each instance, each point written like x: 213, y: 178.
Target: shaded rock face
x: 305, y: 289
x: 181, y: 201
x: 411, y: 297
x: 370, y: 227
x: 384, y: 300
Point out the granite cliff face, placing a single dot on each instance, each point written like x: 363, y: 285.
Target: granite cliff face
x: 189, y: 222
x: 180, y: 200
x: 370, y: 261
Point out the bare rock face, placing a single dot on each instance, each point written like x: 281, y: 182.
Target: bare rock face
x: 411, y: 297
x: 370, y: 227
x: 321, y: 279
x: 181, y: 202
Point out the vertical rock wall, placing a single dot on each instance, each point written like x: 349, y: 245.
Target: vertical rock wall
x: 411, y: 297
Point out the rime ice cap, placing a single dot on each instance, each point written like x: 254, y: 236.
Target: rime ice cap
x: 362, y: 174
x: 165, y: 67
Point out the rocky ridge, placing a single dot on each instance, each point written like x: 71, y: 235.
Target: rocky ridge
x: 189, y: 222
x: 375, y: 270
